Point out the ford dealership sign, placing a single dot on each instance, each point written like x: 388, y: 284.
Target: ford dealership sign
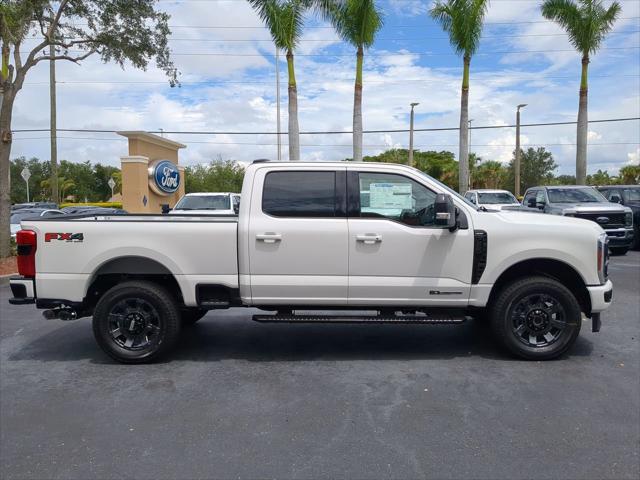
x: 164, y: 177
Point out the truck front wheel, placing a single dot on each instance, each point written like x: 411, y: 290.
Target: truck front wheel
x: 536, y: 318
x: 136, y: 322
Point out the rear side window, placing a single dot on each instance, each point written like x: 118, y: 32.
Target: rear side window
x: 299, y: 194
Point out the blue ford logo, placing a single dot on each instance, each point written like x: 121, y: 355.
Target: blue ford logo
x: 166, y: 177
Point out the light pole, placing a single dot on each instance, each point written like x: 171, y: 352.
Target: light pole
x: 516, y: 163
x: 469, y: 144
x: 411, y: 134
x: 279, y: 141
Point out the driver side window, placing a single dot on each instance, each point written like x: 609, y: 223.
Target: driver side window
x: 397, y: 198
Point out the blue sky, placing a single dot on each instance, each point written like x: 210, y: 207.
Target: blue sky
x: 228, y: 84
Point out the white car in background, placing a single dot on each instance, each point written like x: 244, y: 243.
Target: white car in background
x: 492, y: 199
x: 28, y: 214
x: 208, y: 203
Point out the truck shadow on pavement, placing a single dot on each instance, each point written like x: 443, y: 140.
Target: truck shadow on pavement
x: 239, y: 338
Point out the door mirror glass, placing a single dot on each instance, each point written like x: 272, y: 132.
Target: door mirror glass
x: 445, y: 211
x: 615, y: 198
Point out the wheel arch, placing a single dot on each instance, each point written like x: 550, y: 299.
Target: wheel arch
x: 548, y: 267
x: 130, y: 267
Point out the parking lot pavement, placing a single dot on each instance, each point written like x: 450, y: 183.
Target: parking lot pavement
x: 245, y: 400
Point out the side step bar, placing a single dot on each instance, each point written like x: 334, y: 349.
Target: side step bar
x: 422, y: 319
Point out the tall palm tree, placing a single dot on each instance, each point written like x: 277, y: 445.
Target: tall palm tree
x: 356, y: 22
x: 284, y: 19
x: 462, y: 20
x: 586, y: 22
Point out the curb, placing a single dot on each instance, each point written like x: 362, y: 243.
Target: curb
x: 4, y: 279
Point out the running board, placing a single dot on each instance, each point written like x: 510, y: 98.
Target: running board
x: 439, y: 320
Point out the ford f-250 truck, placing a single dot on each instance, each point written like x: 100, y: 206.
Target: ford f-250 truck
x: 329, y: 237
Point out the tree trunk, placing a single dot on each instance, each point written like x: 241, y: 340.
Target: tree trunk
x: 357, y: 108
x: 5, y: 179
x: 463, y: 157
x: 294, y: 129
x: 53, y: 127
x: 583, y: 127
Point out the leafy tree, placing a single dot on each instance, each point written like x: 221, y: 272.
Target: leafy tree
x: 586, y: 22
x: 114, y: 30
x: 357, y: 22
x: 489, y: 174
x: 564, y: 180
x: 39, y: 171
x: 285, y: 19
x: 463, y: 21
x: 629, y: 175
x: 600, y: 178
x: 217, y: 176
x: 536, y: 168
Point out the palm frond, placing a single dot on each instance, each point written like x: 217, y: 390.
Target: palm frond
x: 355, y: 21
x: 283, y: 19
x: 463, y: 21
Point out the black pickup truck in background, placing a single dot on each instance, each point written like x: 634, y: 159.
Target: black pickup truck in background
x: 629, y: 196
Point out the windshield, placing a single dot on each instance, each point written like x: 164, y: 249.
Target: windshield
x: 632, y: 194
x: 496, y: 198
x: 204, y: 202
x: 575, y: 195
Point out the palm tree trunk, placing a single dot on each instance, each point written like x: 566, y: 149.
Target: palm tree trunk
x: 463, y: 157
x: 6, y: 109
x: 357, y: 108
x: 583, y: 126
x: 294, y: 129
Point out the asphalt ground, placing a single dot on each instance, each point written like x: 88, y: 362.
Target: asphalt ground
x: 239, y: 399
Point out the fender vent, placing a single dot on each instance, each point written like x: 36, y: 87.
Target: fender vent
x: 479, y: 255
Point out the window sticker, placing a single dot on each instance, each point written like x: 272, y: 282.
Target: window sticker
x: 390, y: 195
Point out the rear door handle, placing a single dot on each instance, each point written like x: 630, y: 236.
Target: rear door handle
x: 369, y: 238
x: 269, y: 237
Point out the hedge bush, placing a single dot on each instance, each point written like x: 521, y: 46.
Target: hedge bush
x: 93, y: 204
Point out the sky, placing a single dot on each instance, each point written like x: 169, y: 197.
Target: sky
x: 228, y: 84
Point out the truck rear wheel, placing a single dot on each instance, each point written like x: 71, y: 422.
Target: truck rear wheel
x: 136, y: 322
x: 536, y: 318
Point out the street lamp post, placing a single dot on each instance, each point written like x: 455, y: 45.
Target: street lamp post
x: 517, y: 159
x: 411, y: 134
x: 469, y: 144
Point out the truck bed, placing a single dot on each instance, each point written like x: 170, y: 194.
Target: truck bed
x: 72, y: 251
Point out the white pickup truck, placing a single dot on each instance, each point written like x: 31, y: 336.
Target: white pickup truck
x: 382, y: 242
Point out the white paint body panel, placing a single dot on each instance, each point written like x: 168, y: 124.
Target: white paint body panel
x: 316, y: 261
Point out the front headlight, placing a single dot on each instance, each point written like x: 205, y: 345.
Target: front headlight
x: 628, y: 219
x: 603, y: 258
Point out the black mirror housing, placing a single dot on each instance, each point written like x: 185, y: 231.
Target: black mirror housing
x: 615, y: 199
x: 445, y: 212
x: 165, y: 208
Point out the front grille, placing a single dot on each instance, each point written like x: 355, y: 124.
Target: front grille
x: 613, y: 220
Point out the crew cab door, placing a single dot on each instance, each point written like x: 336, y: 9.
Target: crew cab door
x: 397, y: 256
x: 298, y: 237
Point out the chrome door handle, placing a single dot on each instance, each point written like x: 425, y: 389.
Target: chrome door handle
x: 269, y: 237
x: 369, y: 238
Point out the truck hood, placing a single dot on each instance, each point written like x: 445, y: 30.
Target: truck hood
x: 536, y: 219
x: 592, y: 207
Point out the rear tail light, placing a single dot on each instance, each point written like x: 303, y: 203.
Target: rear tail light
x: 27, y: 243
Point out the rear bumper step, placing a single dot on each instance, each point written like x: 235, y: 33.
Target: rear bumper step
x: 440, y: 320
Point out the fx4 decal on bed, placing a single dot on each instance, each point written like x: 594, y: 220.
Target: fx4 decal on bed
x: 64, y: 237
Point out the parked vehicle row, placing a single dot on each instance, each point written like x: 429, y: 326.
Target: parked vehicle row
x: 330, y: 236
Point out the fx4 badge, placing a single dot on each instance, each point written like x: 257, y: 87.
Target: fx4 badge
x: 64, y: 237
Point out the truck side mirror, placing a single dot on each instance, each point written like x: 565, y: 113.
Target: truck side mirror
x: 236, y: 208
x: 615, y: 199
x: 531, y: 203
x: 445, y: 212
x: 541, y: 204
x: 165, y: 208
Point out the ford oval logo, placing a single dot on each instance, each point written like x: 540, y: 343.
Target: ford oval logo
x: 602, y: 219
x: 166, y: 177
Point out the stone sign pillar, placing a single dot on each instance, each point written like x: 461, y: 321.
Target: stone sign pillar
x: 151, y: 175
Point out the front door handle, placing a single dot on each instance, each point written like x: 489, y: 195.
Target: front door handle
x: 369, y: 238
x: 269, y: 237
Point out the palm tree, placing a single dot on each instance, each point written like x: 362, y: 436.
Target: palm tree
x: 284, y: 20
x: 586, y: 23
x: 356, y: 22
x: 462, y: 20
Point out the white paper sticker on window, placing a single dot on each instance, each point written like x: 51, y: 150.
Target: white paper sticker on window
x: 390, y: 195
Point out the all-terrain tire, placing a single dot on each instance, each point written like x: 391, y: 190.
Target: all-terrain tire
x: 136, y: 322
x: 522, y: 311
